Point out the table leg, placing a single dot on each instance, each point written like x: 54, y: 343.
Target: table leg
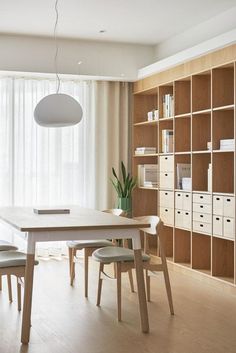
x: 26, y: 320
x: 141, y: 290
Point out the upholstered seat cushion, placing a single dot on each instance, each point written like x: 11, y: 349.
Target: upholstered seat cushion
x: 88, y: 244
x: 13, y: 258
x: 115, y: 254
x: 5, y: 246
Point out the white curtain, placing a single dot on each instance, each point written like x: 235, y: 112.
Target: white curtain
x: 59, y: 166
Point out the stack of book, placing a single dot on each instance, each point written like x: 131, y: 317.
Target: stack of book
x: 148, y: 175
x: 168, y: 105
x: 167, y: 141
x: 145, y: 150
x: 183, y: 173
x: 227, y: 144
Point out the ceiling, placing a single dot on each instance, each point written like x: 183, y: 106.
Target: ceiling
x: 131, y: 21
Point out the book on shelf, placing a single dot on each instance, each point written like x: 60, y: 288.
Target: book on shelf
x: 168, y: 106
x: 145, y: 150
x: 148, y: 175
x: 150, y: 184
x: 153, y: 115
x: 183, y: 170
x: 187, y: 184
x: 227, y: 144
x: 209, y: 178
x: 167, y: 141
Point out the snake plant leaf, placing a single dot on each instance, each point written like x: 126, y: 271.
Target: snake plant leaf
x: 123, y: 171
x: 114, y: 173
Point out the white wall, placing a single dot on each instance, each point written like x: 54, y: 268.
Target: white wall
x: 213, y: 27
x: 36, y: 54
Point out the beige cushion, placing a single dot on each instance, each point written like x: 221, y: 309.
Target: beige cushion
x: 13, y: 258
x: 5, y: 246
x: 115, y: 254
x: 88, y: 244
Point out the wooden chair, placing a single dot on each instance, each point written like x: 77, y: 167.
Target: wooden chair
x: 123, y: 258
x: 89, y: 246
x: 13, y: 263
x: 6, y: 246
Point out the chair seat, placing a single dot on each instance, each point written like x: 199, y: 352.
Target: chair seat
x: 6, y: 245
x: 13, y: 258
x: 116, y: 254
x: 88, y: 244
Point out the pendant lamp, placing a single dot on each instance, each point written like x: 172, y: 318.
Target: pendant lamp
x: 58, y: 109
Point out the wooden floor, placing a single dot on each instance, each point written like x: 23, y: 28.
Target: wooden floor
x: 64, y: 321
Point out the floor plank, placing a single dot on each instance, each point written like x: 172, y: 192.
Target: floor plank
x: 63, y: 321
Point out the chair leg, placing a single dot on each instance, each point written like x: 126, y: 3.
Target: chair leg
x: 72, y: 270
x: 167, y: 280
x: 86, y: 264
x: 118, y: 281
x: 0, y: 282
x: 9, y: 288
x: 18, y: 294
x: 131, y: 281
x: 101, y: 267
x: 148, y: 280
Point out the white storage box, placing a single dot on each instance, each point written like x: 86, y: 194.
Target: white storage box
x: 167, y: 180
x: 228, y: 202
x: 166, y: 163
x: 228, y: 228
x: 202, y: 217
x: 187, y: 201
x: 167, y: 198
x: 187, y: 220
x: 201, y: 227
x: 167, y: 215
x: 202, y: 198
x: 179, y: 218
x: 218, y: 205
x: 197, y: 207
x: 217, y: 225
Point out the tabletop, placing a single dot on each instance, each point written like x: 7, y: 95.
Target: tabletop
x: 25, y: 220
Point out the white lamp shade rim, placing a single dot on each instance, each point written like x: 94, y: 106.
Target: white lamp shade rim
x: 58, y: 110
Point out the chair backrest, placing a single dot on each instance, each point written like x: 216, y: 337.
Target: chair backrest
x: 155, y: 224
x: 115, y: 211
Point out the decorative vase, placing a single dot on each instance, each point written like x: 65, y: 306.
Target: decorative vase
x: 125, y: 203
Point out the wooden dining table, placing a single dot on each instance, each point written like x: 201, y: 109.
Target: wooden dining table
x: 79, y: 224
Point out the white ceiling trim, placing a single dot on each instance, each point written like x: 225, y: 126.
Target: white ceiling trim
x: 188, y: 54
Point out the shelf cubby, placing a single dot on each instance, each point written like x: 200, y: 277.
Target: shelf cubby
x: 143, y: 204
x: 167, y: 89
x: 181, y: 158
x: 201, y: 252
x: 147, y: 138
x: 183, y: 128
x: 223, y: 126
x: 223, y: 86
x: 182, y: 91
x: 201, y: 91
x: 164, y: 125
x: 223, y: 172
x: 223, y: 258
x: 182, y: 246
x: 201, y: 131
x: 144, y: 103
x: 168, y: 241
x: 200, y: 164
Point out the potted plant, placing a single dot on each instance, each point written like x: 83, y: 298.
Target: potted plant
x: 124, y: 188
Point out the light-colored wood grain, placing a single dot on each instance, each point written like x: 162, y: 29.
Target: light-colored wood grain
x: 195, y: 66
x: 26, y: 319
x: 25, y: 220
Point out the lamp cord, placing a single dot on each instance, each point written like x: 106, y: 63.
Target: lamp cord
x: 56, y: 46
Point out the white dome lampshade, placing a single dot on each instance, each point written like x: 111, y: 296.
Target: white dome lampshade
x: 58, y: 110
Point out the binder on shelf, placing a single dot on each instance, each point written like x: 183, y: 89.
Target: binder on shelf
x: 209, y: 178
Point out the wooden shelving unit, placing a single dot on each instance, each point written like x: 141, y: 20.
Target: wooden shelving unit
x: 199, y: 234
